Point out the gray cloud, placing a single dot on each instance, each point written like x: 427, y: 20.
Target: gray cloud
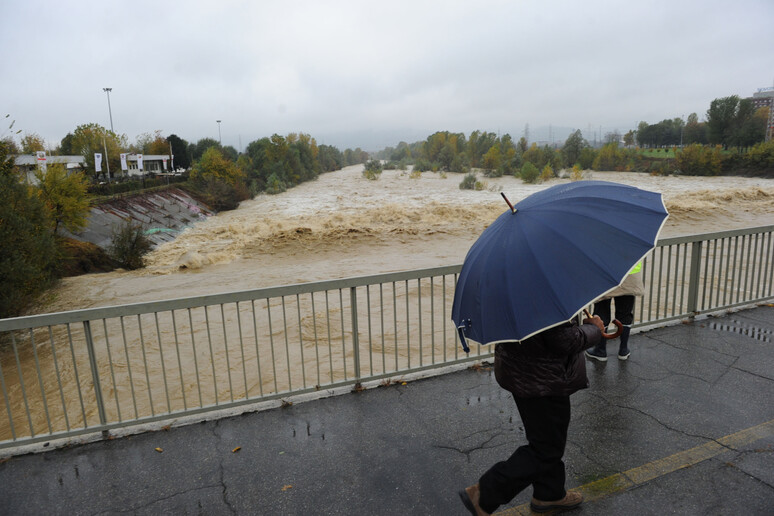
x: 355, y: 73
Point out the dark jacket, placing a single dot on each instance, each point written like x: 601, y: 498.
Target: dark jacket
x: 550, y: 363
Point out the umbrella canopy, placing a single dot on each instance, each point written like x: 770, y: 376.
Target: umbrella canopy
x: 539, y: 264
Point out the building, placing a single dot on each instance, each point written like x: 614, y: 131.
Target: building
x: 27, y: 164
x: 139, y: 164
x: 764, y: 97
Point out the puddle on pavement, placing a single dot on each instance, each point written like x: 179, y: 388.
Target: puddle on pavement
x: 753, y: 332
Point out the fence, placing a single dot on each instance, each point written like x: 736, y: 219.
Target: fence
x: 86, y: 371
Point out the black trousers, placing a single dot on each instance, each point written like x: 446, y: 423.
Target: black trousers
x: 624, y: 310
x: 539, y: 462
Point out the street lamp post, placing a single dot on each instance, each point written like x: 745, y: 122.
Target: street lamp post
x: 219, y: 138
x: 108, y: 90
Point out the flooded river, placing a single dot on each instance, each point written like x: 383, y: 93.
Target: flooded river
x: 341, y: 225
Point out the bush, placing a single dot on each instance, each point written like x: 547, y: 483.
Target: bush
x: 577, y: 173
x: 547, y: 173
x: 468, y: 182
x: 372, y: 170
x: 422, y: 165
x: 529, y: 173
x: 129, y: 245
x: 698, y: 160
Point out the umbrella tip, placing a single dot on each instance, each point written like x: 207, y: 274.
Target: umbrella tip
x: 513, y: 210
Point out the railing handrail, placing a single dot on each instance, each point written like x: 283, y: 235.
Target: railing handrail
x: 90, y: 314
x: 325, y: 335
x: 87, y: 314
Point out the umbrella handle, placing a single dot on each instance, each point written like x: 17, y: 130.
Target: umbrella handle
x: 616, y: 333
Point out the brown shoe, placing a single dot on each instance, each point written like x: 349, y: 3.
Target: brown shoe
x: 470, y: 496
x: 570, y: 501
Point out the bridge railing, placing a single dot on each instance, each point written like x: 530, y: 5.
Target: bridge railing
x: 84, y: 371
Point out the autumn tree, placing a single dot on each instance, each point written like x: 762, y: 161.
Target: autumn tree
x: 154, y: 143
x: 27, y: 263
x: 32, y: 143
x: 64, y: 195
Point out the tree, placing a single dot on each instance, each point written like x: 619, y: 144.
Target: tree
x: 529, y: 173
x: 491, y: 161
x: 214, y: 166
x: 27, y: 263
x: 613, y: 137
x: 373, y: 169
x: 64, y: 196
x: 148, y: 143
x: 88, y: 139
x: 572, y: 148
x: 694, y: 132
x: 32, y: 143
x: 180, y: 155
x: 720, y: 119
x: 128, y: 245
x: 196, y: 150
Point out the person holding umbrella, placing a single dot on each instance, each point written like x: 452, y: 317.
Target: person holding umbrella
x: 521, y: 287
x: 541, y: 373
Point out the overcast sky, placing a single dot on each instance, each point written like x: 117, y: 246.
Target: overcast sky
x: 368, y: 74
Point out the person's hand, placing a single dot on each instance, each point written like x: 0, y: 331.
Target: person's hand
x: 596, y: 321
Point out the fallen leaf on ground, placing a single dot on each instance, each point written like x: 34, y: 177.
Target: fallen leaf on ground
x: 286, y: 487
x: 159, y: 450
x: 236, y: 449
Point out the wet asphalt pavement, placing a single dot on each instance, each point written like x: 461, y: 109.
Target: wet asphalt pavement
x: 685, y: 426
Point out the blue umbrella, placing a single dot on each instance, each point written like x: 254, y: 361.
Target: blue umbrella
x: 545, y: 259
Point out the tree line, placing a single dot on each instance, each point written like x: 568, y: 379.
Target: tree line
x: 32, y: 216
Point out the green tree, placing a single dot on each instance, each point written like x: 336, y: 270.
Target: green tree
x: 196, y: 150
x: 27, y: 263
x: 181, y: 157
x: 695, y: 131
x: 373, y: 169
x: 529, y: 173
x: 721, y: 117
x: 128, y: 245
x: 572, y: 148
x: 88, y: 139
x: 65, y: 197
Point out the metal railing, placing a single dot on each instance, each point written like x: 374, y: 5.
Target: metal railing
x: 85, y: 371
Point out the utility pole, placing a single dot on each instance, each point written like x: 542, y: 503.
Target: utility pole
x: 108, y: 90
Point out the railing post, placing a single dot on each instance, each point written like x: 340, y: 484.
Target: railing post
x: 355, y: 340
x: 94, y: 372
x: 694, y: 279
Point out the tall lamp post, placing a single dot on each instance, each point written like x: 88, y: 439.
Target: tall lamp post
x: 108, y: 90
x: 219, y: 138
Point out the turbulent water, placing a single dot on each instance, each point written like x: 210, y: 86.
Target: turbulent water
x: 344, y: 225
x: 340, y: 225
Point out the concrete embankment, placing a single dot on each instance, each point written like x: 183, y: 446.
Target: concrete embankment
x: 163, y: 215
